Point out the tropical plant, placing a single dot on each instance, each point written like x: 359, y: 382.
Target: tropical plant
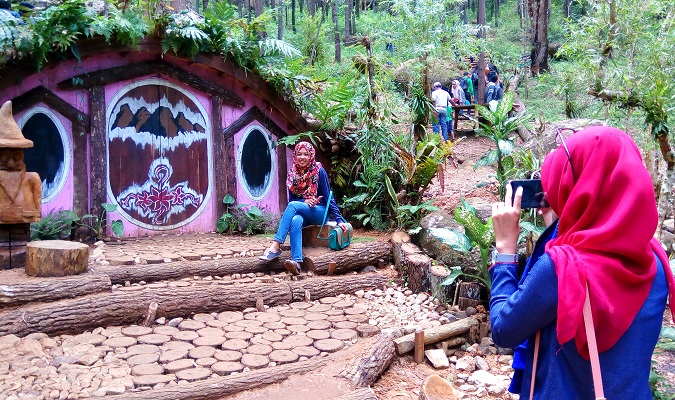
x: 226, y: 222
x: 497, y: 126
x: 55, y: 225
x: 243, y: 218
x: 476, y: 234
x: 98, y: 223
x: 314, y: 48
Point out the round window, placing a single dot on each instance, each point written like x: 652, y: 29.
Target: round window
x: 48, y: 156
x: 256, y: 162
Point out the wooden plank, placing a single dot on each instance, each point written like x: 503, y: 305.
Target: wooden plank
x: 254, y: 114
x: 220, y: 167
x: 99, y: 162
x: 116, y: 74
x: 41, y: 94
x: 80, y: 173
x: 283, y: 173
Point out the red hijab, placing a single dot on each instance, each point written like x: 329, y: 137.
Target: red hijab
x: 607, y: 219
x: 304, y: 182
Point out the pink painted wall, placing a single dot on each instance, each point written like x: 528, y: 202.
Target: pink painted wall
x: 51, y: 75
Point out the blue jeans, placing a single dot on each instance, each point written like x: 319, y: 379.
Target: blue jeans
x: 297, y: 215
x: 442, y: 123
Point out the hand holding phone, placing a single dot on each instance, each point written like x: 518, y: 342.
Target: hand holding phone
x: 533, y: 193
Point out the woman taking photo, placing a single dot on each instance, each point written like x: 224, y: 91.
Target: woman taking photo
x: 308, y: 189
x: 600, y: 246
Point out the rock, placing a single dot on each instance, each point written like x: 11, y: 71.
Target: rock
x: 483, y: 378
x: 470, y: 311
x: 466, y: 363
x: 435, y: 247
x: 482, y: 364
x: 437, y: 358
x: 175, y: 321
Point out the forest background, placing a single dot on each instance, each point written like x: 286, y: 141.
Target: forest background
x: 360, y: 71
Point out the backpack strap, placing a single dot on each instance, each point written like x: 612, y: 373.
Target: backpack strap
x: 593, y: 348
x: 325, y: 215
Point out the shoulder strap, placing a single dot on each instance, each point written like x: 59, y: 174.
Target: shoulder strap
x: 593, y: 348
x: 534, y: 363
x: 325, y: 214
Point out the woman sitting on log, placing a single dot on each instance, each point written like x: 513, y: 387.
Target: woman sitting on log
x: 597, y: 280
x: 308, y: 189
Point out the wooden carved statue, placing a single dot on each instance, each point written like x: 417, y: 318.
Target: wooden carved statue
x: 20, y: 191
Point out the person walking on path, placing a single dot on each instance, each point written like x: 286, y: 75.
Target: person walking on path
x: 467, y: 85
x: 441, y: 100
x: 599, y: 258
x: 308, y: 189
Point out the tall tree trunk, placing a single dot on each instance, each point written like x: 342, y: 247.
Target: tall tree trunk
x: 348, y: 19
x: 293, y: 14
x: 496, y: 13
x: 258, y: 7
x: 336, y: 31
x: 539, y: 16
x: 311, y: 7
x: 480, y: 96
x: 280, y: 24
x: 566, y: 8
x: 180, y: 5
x: 240, y: 6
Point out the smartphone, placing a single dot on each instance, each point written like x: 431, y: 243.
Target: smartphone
x: 533, y: 193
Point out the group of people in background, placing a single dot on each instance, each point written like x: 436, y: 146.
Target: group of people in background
x: 462, y: 92
x: 6, y: 10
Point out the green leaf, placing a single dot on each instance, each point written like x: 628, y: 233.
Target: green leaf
x: 228, y: 199
x: 455, y: 272
x: 109, y: 207
x: 117, y: 227
x: 223, y: 223
x: 506, y: 146
x: 254, y: 212
x: 488, y: 159
x: 454, y: 239
x: 468, y: 206
x: 530, y: 227
x: 668, y: 332
x: 391, y: 191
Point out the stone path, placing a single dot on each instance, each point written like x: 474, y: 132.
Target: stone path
x: 175, y: 247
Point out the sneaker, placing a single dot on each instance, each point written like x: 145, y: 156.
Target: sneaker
x: 269, y: 255
x: 292, y: 266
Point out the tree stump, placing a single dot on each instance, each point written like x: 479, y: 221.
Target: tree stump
x: 469, y: 295
x: 418, y: 266
x: 436, y: 388
x: 437, y: 275
x: 56, y: 258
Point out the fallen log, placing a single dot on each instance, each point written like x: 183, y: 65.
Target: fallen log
x: 18, y: 288
x: 368, y: 367
x: 437, y: 388
x: 231, y: 384
x: 406, y: 343
x: 331, y: 286
x: 130, y: 304
x: 360, y: 394
x: 356, y: 256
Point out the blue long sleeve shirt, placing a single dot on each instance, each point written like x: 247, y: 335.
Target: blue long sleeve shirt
x: 519, y: 309
x: 323, y: 190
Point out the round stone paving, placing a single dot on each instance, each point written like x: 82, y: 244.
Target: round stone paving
x: 216, y: 323
x: 154, y: 338
x: 202, y: 352
x: 226, y: 367
x: 273, y: 336
x: 206, y: 361
x: 177, y: 345
x: 178, y: 365
x: 261, y: 349
x: 298, y: 328
x: 343, y: 304
x: 329, y: 345
x: 345, y: 325
x: 274, y: 325
x: 227, y: 355
x: 359, y: 318
x: 203, y: 317
x: 147, y: 369
x: 256, y: 329
x: 293, y: 320
x: 230, y: 316
x: 344, y: 334
x: 165, y: 330
x: 120, y: 341
x: 142, y: 349
x: 254, y: 361
x: 186, y: 336
x: 315, y: 316
x: 329, y: 300
x: 248, y: 322
x: 152, y: 380
x: 191, y: 325
x: 267, y: 317
x: 300, y: 306
x: 334, y: 312
x: 210, y: 332
x: 281, y: 346
x: 297, y: 340
x: 234, y: 344
x: 209, y: 341
x: 239, y: 335
x: 90, y: 338
x: 139, y: 359
x: 320, y: 324
x: 173, y: 355
x: 366, y: 330
x: 317, y: 308
x: 306, y: 351
x: 316, y: 335
x: 292, y: 313
x: 193, y: 374
x: 283, y: 356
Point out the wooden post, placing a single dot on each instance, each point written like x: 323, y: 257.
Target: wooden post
x: 419, y: 346
x: 152, y: 313
x: 331, y: 268
x: 260, y: 304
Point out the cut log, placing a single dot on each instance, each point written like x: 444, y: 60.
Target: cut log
x: 437, y: 275
x: 371, y: 363
x: 227, y: 385
x: 350, y: 259
x: 129, y: 305
x: 18, y: 288
x: 406, y: 343
x: 354, y: 257
x: 56, y: 258
x: 418, y: 356
x: 152, y: 312
x: 418, y: 266
x: 360, y: 394
x: 469, y: 295
x: 437, y: 388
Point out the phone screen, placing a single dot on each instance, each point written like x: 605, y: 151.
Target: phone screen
x: 533, y: 193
